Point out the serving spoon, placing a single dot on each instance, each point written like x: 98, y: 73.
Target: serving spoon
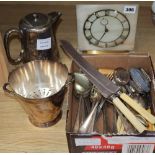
x: 82, y: 88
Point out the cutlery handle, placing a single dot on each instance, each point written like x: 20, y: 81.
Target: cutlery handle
x: 128, y: 114
x: 137, y: 107
x: 77, y: 120
x: 88, y: 124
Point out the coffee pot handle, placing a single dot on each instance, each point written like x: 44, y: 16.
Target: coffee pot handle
x: 54, y: 16
x: 7, y: 38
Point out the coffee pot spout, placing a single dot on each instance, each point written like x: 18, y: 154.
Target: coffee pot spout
x: 54, y: 16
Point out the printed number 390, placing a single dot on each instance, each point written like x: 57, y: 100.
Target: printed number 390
x: 130, y: 9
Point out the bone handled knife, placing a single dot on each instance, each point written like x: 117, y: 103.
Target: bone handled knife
x: 137, y: 107
x: 106, y: 87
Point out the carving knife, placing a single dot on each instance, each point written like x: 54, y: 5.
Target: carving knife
x: 106, y: 87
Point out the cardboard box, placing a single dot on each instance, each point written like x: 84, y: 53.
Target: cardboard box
x: 98, y: 142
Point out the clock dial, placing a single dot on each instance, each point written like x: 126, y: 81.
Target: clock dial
x: 106, y: 28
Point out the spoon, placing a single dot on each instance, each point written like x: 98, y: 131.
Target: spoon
x: 81, y: 83
x: 82, y: 87
x: 121, y: 76
x: 81, y: 91
x: 96, y: 98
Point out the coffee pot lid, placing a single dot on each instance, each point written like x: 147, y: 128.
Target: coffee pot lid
x: 34, y: 20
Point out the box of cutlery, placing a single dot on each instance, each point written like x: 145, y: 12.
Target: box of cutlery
x: 95, y: 123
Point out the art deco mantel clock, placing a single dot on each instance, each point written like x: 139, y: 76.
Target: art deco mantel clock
x: 106, y: 27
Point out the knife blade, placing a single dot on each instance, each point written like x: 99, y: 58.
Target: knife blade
x: 108, y: 88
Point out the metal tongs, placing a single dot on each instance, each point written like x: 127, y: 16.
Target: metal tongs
x: 109, y: 90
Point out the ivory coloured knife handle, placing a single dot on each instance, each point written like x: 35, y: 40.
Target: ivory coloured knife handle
x: 128, y: 114
x: 120, y: 126
x: 137, y: 107
x: 151, y: 126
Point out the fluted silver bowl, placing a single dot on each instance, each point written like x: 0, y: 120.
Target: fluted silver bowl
x: 38, y: 79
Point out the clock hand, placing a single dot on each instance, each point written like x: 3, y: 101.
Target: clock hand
x: 105, y: 23
x: 106, y: 30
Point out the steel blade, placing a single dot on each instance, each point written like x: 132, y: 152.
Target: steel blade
x: 104, y: 85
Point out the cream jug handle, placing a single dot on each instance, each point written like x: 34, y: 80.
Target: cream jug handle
x: 10, y: 92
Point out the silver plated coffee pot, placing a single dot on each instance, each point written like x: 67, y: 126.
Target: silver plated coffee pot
x: 36, y: 33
